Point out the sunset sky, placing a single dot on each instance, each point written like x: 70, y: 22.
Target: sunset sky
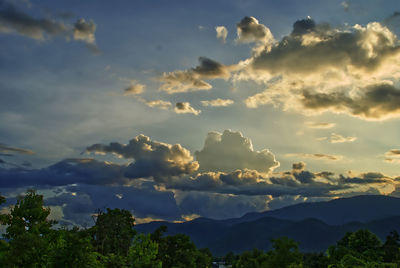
x: 180, y: 109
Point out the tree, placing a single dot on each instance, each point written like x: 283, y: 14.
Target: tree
x: 143, y: 253
x: 71, y: 248
x: 27, y: 231
x: 315, y: 260
x: 362, y: 245
x: 113, y: 232
x: 285, y: 253
x: 391, y: 247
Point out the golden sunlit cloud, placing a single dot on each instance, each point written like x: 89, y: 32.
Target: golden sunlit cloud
x: 217, y: 102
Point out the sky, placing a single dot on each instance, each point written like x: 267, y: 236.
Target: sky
x: 181, y: 109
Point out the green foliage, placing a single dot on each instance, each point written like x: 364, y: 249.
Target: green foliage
x: 362, y: 245
x: 28, y: 230
x: 391, y: 248
x: 143, y: 253
x: 71, y: 248
x: 315, y: 260
x: 113, y: 232
x: 285, y: 253
x: 111, y: 242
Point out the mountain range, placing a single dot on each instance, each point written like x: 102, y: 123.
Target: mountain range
x: 314, y: 226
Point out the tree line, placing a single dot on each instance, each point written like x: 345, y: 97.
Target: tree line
x: 32, y: 240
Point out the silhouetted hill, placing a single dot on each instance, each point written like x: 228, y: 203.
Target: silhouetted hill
x: 338, y: 211
x: 314, y: 225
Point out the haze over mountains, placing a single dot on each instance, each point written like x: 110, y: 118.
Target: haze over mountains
x: 314, y: 225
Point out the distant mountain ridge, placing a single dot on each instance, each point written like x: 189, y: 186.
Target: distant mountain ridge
x: 314, y: 225
x: 361, y: 208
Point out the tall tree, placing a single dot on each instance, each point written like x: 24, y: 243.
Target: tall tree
x: 27, y: 231
x: 113, y: 232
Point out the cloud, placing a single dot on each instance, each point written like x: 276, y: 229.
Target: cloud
x: 68, y: 171
x: 320, y: 125
x: 378, y: 101
x: 135, y: 88
x: 315, y: 47
x: 164, y: 105
x: 79, y: 202
x: 337, y: 138
x: 217, y: 102
x: 317, y: 156
x: 151, y: 158
x: 392, y: 156
x: 229, y: 151
x: 193, y: 79
x: 318, y: 68
x: 13, y: 20
x: 220, y: 206
x: 250, y: 30
x: 7, y: 149
x: 185, y: 108
x: 345, y: 5
x: 299, y: 166
x: 298, y: 182
x: 222, y: 33
x: 84, y: 31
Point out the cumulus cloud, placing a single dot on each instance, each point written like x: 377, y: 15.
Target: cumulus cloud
x: 134, y: 88
x: 230, y: 151
x: 84, y: 31
x: 250, y: 30
x: 320, y: 125
x: 217, y: 102
x: 4, y: 149
x: 318, y: 68
x: 193, y: 79
x: 222, y: 33
x: 164, y: 105
x: 185, y: 108
x: 317, y: 156
x: 315, y: 47
x: 151, y: 158
x: 376, y: 102
x: 298, y: 182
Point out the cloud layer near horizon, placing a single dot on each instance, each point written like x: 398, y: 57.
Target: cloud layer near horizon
x: 155, y: 174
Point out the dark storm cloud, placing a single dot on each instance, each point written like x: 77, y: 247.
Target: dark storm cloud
x: 13, y: 20
x: 81, y: 201
x: 193, y: 79
x: 151, y: 158
x: 68, y: 171
x: 221, y: 206
x: 377, y: 101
